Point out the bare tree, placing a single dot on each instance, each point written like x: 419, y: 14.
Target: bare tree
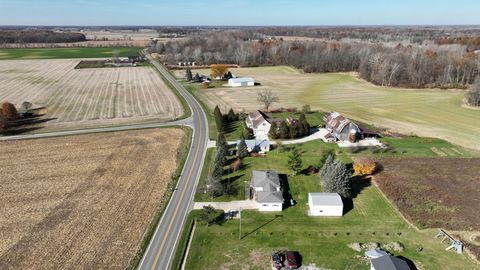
x: 267, y: 97
x: 473, y: 95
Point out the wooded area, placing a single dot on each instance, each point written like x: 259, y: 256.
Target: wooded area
x: 407, y: 66
x: 39, y: 36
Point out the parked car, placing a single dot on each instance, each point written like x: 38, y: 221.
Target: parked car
x: 291, y: 260
x: 277, y: 260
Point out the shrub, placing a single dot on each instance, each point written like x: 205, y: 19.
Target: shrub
x: 364, y: 166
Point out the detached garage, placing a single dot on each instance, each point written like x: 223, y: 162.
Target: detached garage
x: 325, y: 204
x: 237, y: 82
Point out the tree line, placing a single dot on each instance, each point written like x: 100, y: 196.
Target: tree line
x: 39, y: 36
x: 406, y: 66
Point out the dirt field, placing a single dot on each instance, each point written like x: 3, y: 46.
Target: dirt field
x: 428, y: 113
x: 434, y: 192
x: 81, y: 202
x: 88, y: 97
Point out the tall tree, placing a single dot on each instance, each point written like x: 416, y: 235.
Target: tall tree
x: 218, y: 70
x: 295, y: 161
x: 283, y: 130
x: 305, y: 126
x: 222, y: 142
x: 473, y: 94
x: 267, y: 98
x: 8, y: 111
x: 215, y: 188
x: 232, y: 116
x: 242, y: 149
x: 337, y: 179
x: 274, y: 130
x: 327, y: 166
x: 218, y: 119
x: 188, y: 74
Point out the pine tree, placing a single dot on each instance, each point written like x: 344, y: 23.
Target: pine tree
x: 188, y: 74
x: 305, y: 126
x: 273, y: 130
x: 218, y: 119
x: 197, y: 78
x: 215, y: 187
x: 242, y: 149
x: 283, y: 130
x: 327, y: 166
x: 292, y: 132
x: 295, y: 161
x: 222, y: 142
x: 231, y: 116
x: 337, y: 179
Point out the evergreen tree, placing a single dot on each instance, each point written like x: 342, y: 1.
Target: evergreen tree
x: 292, y: 132
x: 242, y: 149
x: 283, y: 130
x: 197, y: 78
x: 222, y: 142
x: 305, y: 126
x: 337, y: 179
x: 218, y: 119
x: 215, y: 188
x: 274, y: 130
x: 327, y: 166
x: 295, y: 161
x: 232, y: 116
x: 188, y: 74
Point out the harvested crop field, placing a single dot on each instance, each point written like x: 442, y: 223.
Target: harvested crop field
x: 427, y: 113
x: 434, y: 192
x: 88, y: 97
x: 82, y: 202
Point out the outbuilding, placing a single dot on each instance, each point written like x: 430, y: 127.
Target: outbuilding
x: 325, y: 204
x: 237, y: 82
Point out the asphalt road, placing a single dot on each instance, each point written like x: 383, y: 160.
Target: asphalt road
x: 161, y: 250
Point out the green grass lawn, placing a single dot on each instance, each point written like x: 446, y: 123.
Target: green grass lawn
x: 323, y: 241
x: 426, y: 147
x: 427, y: 113
x: 58, y: 53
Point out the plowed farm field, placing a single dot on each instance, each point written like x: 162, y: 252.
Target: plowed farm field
x: 82, y: 202
x: 88, y: 97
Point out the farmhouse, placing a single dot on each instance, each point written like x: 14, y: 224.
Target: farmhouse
x: 260, y: 122
x: 388, y: 262
x: 342, y: 128
x: 259, y: 145
x: 325, y: 204
x: 244, y: 81
x: 267, y: 190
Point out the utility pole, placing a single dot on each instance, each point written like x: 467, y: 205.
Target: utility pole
x: 240, y: 234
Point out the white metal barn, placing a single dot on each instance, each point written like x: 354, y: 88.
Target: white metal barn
x: 237, y: 82
x: 325, y: 204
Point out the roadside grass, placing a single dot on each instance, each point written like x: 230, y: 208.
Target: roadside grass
x: 59, y: 53
x: 183, y: 242
x: 426, y: 112
x: 181, y: 158
x: 212, y: 128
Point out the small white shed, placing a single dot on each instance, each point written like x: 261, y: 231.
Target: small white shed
x: 237, y: 82
x: 325, y: 204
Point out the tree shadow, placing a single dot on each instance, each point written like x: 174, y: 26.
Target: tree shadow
x: 230, y: 127
x: 299, y: 258
x: 358, y: 183
x: 286, y: 190
x: 25, y: 125
x: 261, y: 226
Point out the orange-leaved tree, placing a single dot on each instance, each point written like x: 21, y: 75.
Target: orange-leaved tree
x: 364, y: 166
x: 8, y: 111
x: 218, y: 70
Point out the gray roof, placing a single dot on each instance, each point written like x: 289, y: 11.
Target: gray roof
x: 270, y: 182
x: 253, y: 143
x: 388, y: 262
x: 319, y: 198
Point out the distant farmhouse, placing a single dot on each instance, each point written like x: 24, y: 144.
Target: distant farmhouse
x: 260, y: 122
x: 342, y: 129
x: 267, y: 190
x: 237, y: 82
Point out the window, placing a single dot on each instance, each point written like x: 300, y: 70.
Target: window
x: 265, y: 204
x: 321, y: 211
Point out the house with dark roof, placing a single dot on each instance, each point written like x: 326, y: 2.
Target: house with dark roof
x: 267, y: 190
x: 260, y: 122
x: 388, y: 262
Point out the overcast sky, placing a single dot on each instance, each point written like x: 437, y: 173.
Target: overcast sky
x: 240, y: 12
